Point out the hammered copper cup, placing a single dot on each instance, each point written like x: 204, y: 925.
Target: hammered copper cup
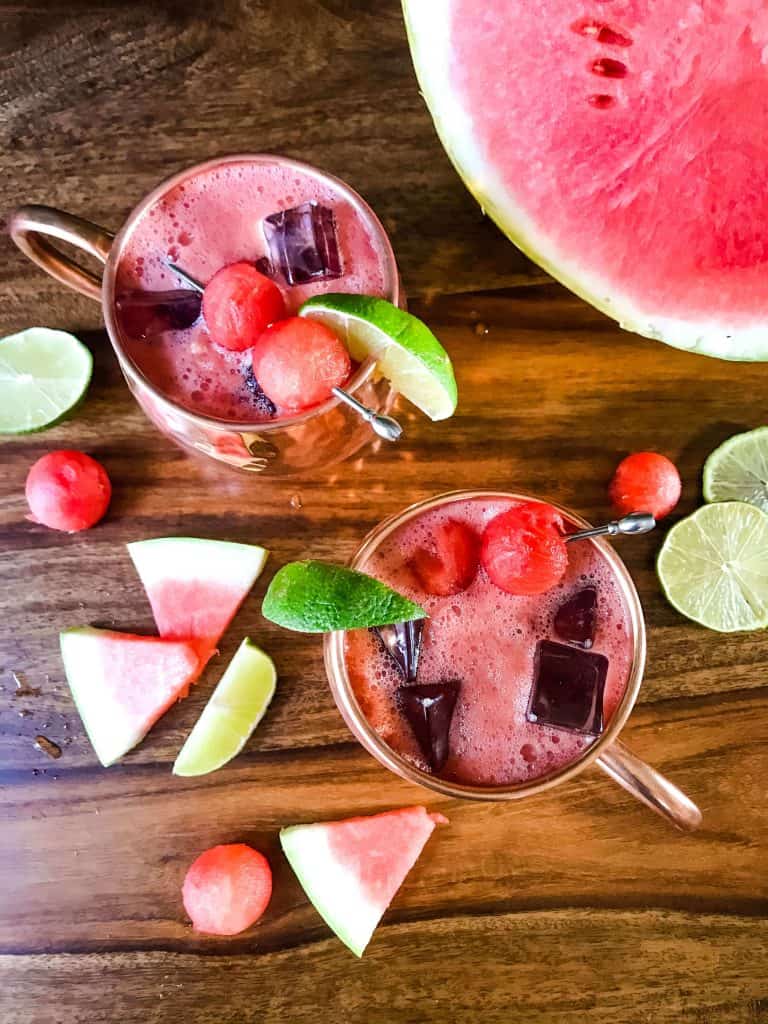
x: 325, y: 434
x: 607, y: 751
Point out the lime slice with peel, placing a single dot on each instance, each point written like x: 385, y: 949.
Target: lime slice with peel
x: 406, y: 352
x: 713, y: 567
x: 319, y: 597
x: 43, y: 375
x: 738, y: 470
x: 235, y: 708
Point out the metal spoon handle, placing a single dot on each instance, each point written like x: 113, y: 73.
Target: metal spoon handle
x: 635, y: 522
x: 191, y: 281
x: 385, y: 426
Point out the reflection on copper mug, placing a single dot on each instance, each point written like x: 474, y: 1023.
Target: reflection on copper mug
x: 323, y: 435
x: 638, y: 778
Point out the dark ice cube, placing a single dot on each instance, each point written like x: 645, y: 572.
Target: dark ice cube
x: 145, y: 313
x: 402, y: 642
x: 302, y: 243
x: 567, y: 691
x: 429, y: 709
x: 576, y: 618
x: 264, y: 405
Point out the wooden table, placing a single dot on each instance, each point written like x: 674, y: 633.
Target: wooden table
x: 577, y: 906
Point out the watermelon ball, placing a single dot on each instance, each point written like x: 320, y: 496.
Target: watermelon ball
x: 67, y: 491
x: 453, y: 564
x: 238, y: 303
x: 645, y: 482
x: 227, y: 889
x: 523, y: 550
x: 297, y: 361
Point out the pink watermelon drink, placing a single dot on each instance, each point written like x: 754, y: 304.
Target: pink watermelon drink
x: 267, y: 219
x: 494, y: 688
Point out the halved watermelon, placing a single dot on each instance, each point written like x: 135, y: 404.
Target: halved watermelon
x: 196, y: 586
x: 351, y: 869
x: 623, y: 146
x: 123, y: 683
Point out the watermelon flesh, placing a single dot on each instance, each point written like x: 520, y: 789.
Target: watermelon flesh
x: 123, y: 683
x: 622, y: 145
x: 195, y: 587
x: 351, y: 869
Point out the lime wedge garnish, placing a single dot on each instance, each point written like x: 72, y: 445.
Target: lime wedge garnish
x: 714, y: 568
x: 406, y: 351
x: 318, y: 597
x: 235, y: 708
x: 738, y: 470
x: 43, y: 374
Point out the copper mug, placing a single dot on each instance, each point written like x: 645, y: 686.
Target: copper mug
x: 323, y: 435
x: 607, y: 751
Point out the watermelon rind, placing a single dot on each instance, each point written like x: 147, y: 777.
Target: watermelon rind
x: 428, y: 24
x: 193, y: 558
x: 337, y: 897
x: 112, y: 733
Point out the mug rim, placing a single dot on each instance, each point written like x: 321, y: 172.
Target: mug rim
x: 366, y: 735
x: 365, y: 370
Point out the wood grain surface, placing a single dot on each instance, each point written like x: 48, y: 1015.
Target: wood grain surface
x: 578, y: 905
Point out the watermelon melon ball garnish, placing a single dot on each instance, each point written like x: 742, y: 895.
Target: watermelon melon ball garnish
x: 599, y: 139
x: 196, y: 586
x: 123, y: 683
x: 227, y: 889
x: 319, y: 597
x: 298, y: 363
x: 351, y: 870
x: 68, y: 491
x: 233, y: 711
x: 406, y: 352
x: 238, y: 303
x: 523, y: 550
x: 645, y: 481
x: 452, y: 565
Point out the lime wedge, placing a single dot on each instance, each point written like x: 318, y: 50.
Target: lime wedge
x: 406, y: 351
x: 738, y: 470
x: 235, y: 708
x: 714, y: 568
x: 318, y: 597
x: 43, y: 375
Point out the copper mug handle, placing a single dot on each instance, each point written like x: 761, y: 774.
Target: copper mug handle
x: 649, y: 786
x: 32, y: 226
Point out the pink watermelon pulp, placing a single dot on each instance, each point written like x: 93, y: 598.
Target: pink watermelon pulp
x: 196, y: 586
x: 351, y: 869
x: 123, y: 683
x: 622, y: 145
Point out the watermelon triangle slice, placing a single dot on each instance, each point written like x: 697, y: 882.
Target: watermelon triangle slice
x: 123, y: 683
x: 196, y: 586
x: 351, y: 869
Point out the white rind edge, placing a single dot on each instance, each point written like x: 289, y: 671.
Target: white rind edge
x: 428, y: 27
x: 335, y: 894
x: 191, y: 558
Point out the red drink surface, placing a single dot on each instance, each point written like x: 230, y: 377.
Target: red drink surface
x: 206, y: 222
x: 486, y: 639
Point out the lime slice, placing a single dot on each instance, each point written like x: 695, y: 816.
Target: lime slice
x: 738, y: 470
x: 406, y: 351
x: 235, y: 708
x: 43, y: 375
x: 714, y: 568
x: 318, y: 597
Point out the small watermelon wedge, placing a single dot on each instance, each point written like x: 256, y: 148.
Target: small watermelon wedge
x: 123, y: 683
x: 351, y: 869
x: 196, y: 586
